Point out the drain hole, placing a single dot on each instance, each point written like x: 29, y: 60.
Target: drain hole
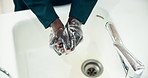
x: 92, y: 68
x: 91, y: 72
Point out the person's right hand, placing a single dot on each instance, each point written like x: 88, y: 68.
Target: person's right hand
x: 61, y: 42
x: 74, y: 29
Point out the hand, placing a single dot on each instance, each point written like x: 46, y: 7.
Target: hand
x: 60, y: 40
x: 74, y: 29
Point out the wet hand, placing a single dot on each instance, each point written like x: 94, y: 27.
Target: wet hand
x: 74, y: 29
x: 61, y: 42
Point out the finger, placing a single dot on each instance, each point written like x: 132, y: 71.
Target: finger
x: 79, y: 38
x: 60, y: 47
x: 72, y: 40
x: 59, y: 51
x: 68, y: 40
x: 68, y: 51
x: 59, y: 44
x: 53, y: 40
x: 62, y: 50
x: 65, y: 40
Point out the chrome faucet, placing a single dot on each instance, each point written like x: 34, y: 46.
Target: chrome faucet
x: 132, y: 66
x: 5, y: 72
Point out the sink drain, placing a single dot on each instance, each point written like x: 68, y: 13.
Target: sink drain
x: 92, y: 68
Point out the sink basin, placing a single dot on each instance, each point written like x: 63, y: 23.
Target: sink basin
x: 35, y: 59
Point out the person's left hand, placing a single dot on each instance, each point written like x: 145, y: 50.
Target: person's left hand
x: 61, y: 42
x: 73, y: 27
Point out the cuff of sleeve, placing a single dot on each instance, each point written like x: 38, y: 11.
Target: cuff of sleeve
x: 47, y: 22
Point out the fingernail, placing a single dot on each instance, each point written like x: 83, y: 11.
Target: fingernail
x: 68, y: 51
x: 62, y: 50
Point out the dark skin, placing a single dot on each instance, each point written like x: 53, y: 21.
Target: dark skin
x: 58, y: 29
x: 56, y: 25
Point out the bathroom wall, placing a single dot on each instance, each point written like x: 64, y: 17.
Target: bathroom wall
x: 0, y: 6
x: 6, y: 6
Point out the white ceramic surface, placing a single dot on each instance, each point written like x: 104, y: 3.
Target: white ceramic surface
x: 35, y: 58
x: 25, y: 52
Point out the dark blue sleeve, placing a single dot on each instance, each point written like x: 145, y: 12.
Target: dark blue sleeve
x: 81, y: 9
x: 20, y: 5
x: 43, y: 9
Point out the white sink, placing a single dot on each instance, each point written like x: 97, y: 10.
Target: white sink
x: 36, y: 59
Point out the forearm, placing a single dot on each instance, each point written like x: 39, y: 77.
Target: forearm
x: 81, y: 9
x: 43, y: 10
x: 20, y: 5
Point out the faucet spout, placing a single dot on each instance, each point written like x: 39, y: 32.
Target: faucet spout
x: 132, y: 66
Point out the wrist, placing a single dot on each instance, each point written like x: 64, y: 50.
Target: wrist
x: 56, y: 25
